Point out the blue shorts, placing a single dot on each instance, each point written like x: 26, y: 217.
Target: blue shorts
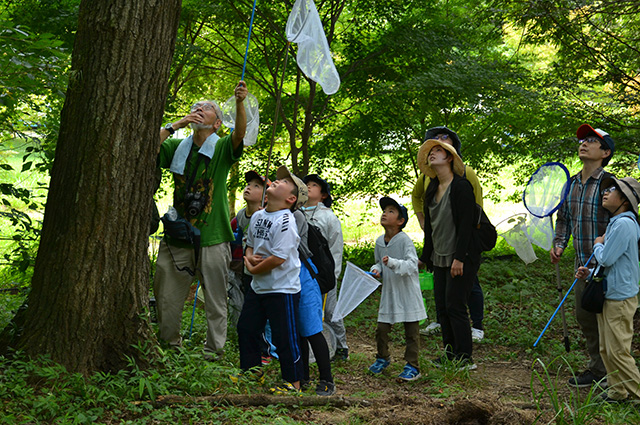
x: 310, y: 307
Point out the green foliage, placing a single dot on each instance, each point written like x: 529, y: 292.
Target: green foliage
x: 550, y: 377
x: 31, y: 93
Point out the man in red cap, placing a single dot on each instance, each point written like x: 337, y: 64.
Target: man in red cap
x: 583, y: 217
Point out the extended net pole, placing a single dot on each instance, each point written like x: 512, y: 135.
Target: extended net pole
x: 565, y: 331
x: 246, y: 50
x: 275, y: 119
x: 558, y: 308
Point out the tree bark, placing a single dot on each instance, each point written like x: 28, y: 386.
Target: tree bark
x: 87, y: 308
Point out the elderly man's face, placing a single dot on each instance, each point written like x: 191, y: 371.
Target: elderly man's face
x: 210, y: 118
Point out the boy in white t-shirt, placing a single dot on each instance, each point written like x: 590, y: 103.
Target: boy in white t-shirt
x: 272, y: 258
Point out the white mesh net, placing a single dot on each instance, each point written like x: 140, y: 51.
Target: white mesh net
x: 512, y: 229
x: 304, y: 27
x: 356, y: 286
x: 253, y: 117
x: 546, y: 189
x: 539, y: 231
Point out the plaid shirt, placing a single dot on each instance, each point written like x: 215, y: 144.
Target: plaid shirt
x: 582, y: 216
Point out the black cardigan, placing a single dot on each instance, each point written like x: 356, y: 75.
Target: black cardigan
x: 463, y: 210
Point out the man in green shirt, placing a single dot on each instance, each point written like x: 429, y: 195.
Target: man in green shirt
x: 200, y: 165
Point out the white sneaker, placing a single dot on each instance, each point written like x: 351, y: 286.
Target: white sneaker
x: 432, y: 328
x: 477, y: 335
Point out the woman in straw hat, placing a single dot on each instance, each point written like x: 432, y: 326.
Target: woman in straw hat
x: 617, y: 252
x: 449, y: 208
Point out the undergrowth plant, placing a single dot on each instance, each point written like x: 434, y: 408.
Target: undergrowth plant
x: 571, y: 408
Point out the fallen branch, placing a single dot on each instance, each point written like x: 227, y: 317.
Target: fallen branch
x: 255, y: 400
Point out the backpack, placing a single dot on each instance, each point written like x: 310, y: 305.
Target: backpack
x: 484, y: 233
x: 322, y: 259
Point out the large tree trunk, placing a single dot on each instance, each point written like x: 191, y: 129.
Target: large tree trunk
x: 91, y: 280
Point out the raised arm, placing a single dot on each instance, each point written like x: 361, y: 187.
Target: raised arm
x: 241, y: 116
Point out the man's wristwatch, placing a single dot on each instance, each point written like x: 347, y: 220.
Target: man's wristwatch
x: 169, y: 128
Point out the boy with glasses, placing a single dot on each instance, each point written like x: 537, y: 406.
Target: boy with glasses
x: 583, y: 217
x: 617, y: 252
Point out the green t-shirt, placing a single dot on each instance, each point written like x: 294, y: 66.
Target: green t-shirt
x: 210, y: 180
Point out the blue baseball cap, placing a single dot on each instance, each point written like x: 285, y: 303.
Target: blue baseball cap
x: 386, y: 202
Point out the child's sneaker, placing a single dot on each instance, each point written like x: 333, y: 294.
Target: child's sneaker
x: 378, y: 366
x: 325, y: 388
x: 409, y: 373
x: 342, y: 354
x: 432, y: 328
x: 286, y: 388
x: 266, y: 360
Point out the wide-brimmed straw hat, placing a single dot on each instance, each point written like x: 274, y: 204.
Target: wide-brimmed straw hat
x: 423, y: 155
x: 630, y: 189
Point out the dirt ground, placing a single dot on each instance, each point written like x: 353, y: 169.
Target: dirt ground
x: 498, y: 392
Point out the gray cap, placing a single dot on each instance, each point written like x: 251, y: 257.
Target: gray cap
x: 630, y: 189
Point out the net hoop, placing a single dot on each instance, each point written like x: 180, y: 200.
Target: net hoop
x: 563, y: 195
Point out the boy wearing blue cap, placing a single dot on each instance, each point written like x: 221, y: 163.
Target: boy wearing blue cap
x: 401, y: 299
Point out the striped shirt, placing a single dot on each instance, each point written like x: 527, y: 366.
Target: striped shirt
x: 582, y: 216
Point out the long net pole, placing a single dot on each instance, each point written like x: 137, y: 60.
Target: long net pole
x: 275, y: 119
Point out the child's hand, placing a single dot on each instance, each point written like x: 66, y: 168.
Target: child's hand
x: 599, y: 239
x: 247, y: 263
x: 375, y: 273
x: 254, y: 259
x: 385, y: 260
x: 582, y: 273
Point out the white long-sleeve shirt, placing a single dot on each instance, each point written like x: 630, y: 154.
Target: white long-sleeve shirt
x: 401, y: 299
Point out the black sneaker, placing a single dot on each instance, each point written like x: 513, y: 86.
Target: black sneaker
x: 325, y: 388
x: 341, y: 354
x: 586, y: 379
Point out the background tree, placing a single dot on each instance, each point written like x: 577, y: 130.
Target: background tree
x: 90, y: 284
x: 595, y: 64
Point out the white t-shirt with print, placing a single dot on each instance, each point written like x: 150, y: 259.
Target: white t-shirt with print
x: 275, y: 233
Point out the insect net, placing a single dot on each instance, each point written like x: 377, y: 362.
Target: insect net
x: 544, y: 194
x: 513, y: 229
x: 253, y: 117
x: 546, y: 190
x: 356, y: 286
x: 314, y: 57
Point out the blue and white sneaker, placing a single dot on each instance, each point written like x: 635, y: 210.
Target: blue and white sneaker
x: 409, y: 373
x: 378, y: 366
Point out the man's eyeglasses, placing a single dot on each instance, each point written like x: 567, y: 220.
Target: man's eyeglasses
x: 608, y: 190
x: 590, y: 139
x: 202, y: 105
x: 442, y: 137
